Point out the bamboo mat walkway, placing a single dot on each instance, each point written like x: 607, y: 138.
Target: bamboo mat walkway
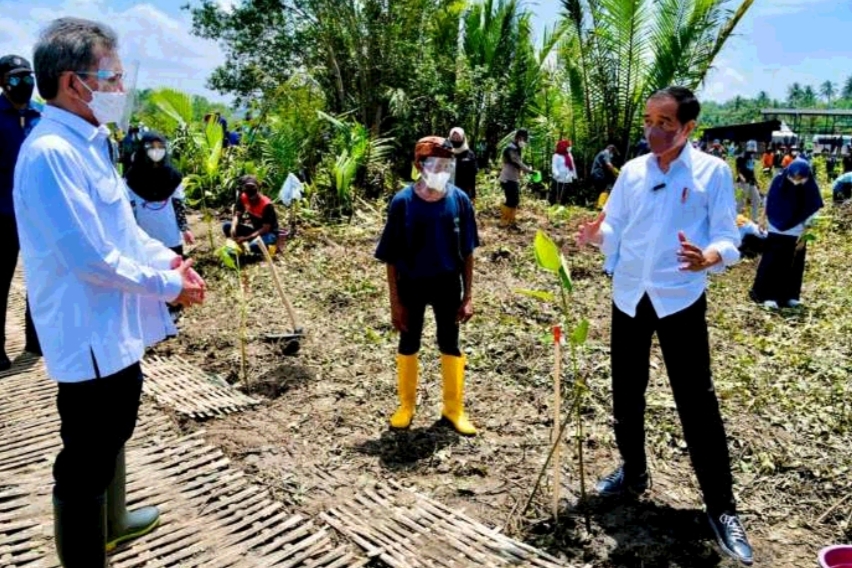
x: 212, y: 517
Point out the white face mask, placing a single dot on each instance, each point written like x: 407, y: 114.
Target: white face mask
x: 436, y: 181
x: 522, y: 144
x: 795, y: 181
x: 107, y: 107
x: 156, y: 154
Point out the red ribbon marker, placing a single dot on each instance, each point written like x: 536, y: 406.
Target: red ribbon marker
x: 557, y: 334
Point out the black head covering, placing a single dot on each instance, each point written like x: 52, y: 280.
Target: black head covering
x: 149, y: 181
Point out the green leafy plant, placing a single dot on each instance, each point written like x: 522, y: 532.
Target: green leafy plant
x: 549, y: 258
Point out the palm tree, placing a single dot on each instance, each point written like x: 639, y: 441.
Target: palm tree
x: 763, y: 100
x: 809, y: 96
x: 847, y: 89
x: 794, y: 95
x: 827, y: 90
x: 617, y: 52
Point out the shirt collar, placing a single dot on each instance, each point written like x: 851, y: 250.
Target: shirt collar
x: 685, y: 158
x: 81, y: 127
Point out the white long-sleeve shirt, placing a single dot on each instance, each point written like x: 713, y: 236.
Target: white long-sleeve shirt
x: 96, y: 282
x: 561, y: 172
x: 642, y: 224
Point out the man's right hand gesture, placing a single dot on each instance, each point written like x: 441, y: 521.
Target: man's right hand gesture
x: 590, y: 232
x: 192, y: 291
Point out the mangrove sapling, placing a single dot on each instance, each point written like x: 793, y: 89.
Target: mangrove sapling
x: 549, y: 258
x: 231, y: 259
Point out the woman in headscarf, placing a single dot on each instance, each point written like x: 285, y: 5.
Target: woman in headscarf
x: 562, y: 168
x: 791, y: 204
x: 466, y: 168
x: 156, y: 194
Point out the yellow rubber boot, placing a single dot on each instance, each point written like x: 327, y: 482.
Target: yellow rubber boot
x: 504, y: 216
x: 452, y: 369
x: 406, y: 371
x: 512, y: 212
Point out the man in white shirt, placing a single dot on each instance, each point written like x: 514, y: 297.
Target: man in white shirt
x: 671, y: 218
x: 97, y: 285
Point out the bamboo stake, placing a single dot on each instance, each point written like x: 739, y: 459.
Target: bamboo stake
x: 557, y: 413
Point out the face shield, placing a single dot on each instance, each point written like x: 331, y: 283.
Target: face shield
x: 112, y: 97
x: 437, y: 172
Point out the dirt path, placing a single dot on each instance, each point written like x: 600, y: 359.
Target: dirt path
x: 783, y: 381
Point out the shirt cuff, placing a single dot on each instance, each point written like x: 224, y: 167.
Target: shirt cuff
x: 609, y: 244
x: 729, y: 253
x: 172, y: 285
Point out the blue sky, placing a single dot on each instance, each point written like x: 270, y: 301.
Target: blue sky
x: 777, y: 43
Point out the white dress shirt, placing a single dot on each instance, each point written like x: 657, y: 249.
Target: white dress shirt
x: 642, y: 224
x: 95, y: 281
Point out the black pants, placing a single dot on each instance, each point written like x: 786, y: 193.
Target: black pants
x: 686, y: 351
x: 558, y: 192
x: 444, y: 295
x: 98, y: 417
x: 781, y: 270
x: 9, y: 249
x: 512, y: 191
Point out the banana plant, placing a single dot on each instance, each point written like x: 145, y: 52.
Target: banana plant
x: 550, y: 259
x: 201, y: 185
x: 200, y: 145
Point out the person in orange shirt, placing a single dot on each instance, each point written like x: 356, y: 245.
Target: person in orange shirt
x: 768, y: 160
x: 788, y: 158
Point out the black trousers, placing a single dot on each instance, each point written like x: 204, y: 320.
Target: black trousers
x: 512, y: 192
x: 97, y: 418
x: 781, y: 270
x: 558, y: 192
x: 444, y: 294
x: 686, y: 350
x: 9, y: 249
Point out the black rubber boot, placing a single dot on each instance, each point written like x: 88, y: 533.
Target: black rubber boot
x: 32, y: 345
x: 124, y: 525
x: 80, y: 533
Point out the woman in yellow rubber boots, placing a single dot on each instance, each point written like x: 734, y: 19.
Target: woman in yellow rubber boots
x: 427, y: 245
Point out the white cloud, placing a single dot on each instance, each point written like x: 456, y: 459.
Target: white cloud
x: 227, y: 5
x: 167, y: 52
x: 723, y: 82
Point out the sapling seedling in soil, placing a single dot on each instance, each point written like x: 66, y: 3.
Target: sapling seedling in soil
x: 231, y: 260
x: 549, y: 258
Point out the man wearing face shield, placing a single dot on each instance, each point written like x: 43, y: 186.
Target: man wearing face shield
x: 670, y: 219
x: 427, y: 245
x: 97, y: 285
x: 18, y: 116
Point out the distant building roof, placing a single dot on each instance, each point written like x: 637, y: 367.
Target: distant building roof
x: 760, y: 131
x: 807, y: 111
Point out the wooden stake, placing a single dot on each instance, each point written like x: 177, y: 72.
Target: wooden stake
x: 277, y: 282
x: 557, y: 414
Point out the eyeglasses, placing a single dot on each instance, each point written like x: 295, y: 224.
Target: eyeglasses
x: 111, y: 77
x: 16, y: 80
